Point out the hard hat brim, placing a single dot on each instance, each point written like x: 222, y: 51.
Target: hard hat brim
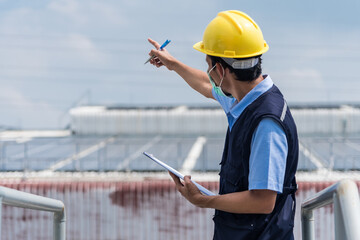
x: 199, y: 46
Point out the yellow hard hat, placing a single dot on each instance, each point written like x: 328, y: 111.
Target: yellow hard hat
x: 232, y: 34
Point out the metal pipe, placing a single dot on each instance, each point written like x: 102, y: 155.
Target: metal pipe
x: 308, y: 225
x: 348, y: 197
x: 320, y: 199
x: 0, y: 215
x: 340, y: 232
x: 347, y: 210
x: 17, y: 198
x: 59, y: 225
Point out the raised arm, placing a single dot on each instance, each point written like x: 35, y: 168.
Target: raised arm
x: 196, y: 79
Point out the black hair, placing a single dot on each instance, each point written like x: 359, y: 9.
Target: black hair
x: 244, y: 75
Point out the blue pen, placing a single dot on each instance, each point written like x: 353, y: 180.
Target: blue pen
x: 161, y: 48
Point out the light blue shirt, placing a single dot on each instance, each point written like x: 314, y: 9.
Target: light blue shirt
x: 269, y: 147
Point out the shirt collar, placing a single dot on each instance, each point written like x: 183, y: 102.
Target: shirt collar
x: 251, y: 96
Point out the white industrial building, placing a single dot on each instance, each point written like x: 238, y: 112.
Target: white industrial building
x: 181, y: 120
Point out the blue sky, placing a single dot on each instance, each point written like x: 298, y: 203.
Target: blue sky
x: 54, y: 52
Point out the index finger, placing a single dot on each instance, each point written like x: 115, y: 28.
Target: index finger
x: 154, y: 43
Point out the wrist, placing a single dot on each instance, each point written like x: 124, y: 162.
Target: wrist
x: 175, y: 65
x: 205, y: 201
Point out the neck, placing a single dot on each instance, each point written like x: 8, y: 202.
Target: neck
x: 243, y: 88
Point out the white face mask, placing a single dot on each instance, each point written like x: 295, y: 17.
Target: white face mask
x: 218, y: 89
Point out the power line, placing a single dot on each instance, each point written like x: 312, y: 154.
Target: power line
x: 66, y: 37
x: 74, y: 69
x: 137, y: 40
x: 115, y: 73
x: 125, y: 47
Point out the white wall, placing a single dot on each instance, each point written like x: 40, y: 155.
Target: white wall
x: 185, y: 121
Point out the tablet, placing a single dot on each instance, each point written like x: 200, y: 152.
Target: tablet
x: 167, y: 167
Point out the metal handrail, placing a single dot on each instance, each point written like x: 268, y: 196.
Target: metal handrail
x: 20, y: 199
x: 345, y: 197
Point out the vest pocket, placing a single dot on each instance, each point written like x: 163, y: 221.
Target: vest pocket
x: 232, y: 179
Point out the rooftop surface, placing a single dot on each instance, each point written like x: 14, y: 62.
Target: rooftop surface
x: 59, y: 151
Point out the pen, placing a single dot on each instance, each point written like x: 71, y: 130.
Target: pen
x: 161, y: 48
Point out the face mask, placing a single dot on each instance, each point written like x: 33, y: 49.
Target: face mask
x: 218, y: 89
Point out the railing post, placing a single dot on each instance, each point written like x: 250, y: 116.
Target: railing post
x: 0, y: 215
x: 348, y: 197
x: 308, y: 225
x: 59, y: 225
x: 345, y: 197
x: 340, y: 232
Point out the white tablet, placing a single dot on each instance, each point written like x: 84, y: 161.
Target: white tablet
x: 167, y: 167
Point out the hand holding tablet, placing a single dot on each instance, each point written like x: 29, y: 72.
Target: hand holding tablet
x: 167, y: 167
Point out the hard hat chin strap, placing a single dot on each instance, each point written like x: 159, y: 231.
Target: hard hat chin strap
x: 241, y: 64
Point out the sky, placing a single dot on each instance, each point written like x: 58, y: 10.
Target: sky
x: 55, y: 55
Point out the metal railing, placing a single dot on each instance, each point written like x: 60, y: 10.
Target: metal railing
x: 16, y: 198
x: 345, y: 197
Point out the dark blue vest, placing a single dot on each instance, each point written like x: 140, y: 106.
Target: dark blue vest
x: 234, y: 173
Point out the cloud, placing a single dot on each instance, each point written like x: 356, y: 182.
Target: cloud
x: 109, y: 13
x: 35, y: 50
x: 302, y: 85
x: 84, y: 49
x: 69, y: 8
x: 20, y: 21
x: 21, y: 111
x: 28, y: 47
x: 88, y: 12
x: 306, y: 77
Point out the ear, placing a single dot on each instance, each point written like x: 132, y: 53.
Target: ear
x: 220, y: 69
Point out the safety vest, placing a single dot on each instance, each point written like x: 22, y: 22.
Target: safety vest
x: 234, y: 173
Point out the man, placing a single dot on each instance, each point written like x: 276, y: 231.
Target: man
x: 257, y: 178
